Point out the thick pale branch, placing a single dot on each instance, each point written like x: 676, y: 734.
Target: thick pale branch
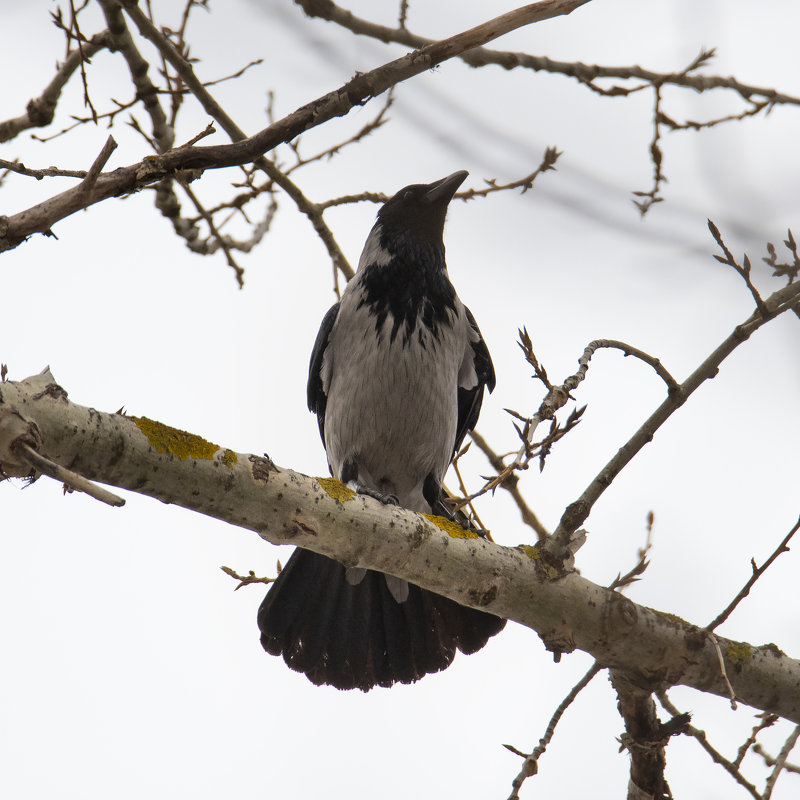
x: 363, y: 87
x: 285, y: 507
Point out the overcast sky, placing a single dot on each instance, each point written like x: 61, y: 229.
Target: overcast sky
x: 132, y: 669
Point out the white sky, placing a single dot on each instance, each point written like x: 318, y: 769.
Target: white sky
x: 130, y: 667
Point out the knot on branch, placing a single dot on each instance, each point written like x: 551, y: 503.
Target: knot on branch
x: 40, y: 112
x: 16, y: 432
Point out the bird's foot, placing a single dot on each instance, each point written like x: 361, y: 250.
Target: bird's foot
x: 382, y: 497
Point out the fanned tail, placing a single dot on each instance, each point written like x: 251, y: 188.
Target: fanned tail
x: 357, y: 637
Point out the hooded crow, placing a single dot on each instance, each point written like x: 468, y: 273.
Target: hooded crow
x: 396, y: 380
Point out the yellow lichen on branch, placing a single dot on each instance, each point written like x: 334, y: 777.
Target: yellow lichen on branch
x: 450, y: 528
x: 336, y: 489
x: 179, y: 443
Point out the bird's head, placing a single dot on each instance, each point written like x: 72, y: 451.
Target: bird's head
x: 402, y: 270
x: 419, y: 210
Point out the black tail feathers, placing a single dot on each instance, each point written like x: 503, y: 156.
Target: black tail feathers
x: 357, y: 637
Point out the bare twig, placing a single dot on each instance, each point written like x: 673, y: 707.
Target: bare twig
x: 548, y: 163
x: 339, y: 102
x: 531, y: 764
x: 785, y: 269
x: 372, y: 125
x: 212, y: 107
x: 632, y: 575
x: 586, y: 74
x: 40, y: 110
x: 87, y: 184
x: 246, y: 580
x: 767, y: 721
x: 463, y: 489
x: 511, y: 485
x: 780, y: 761
x: 574, y: 516
x: 80, y: 39
x: 783, y: 547
x: 71, y: 480
x: 743, y: 269
x: 557, y: 396
x: 723, y: 671
x: 555, y: 399
x: 39, y: 174
x: 163, y: 133
x: 651, y: 197
x: 717, y: 757
x: 770, y: 760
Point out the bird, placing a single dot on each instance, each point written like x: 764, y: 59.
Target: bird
x: 396, y: 378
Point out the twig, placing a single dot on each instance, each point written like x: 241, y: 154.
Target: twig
x: 376, y: 122
x: 723, y: 671
x: 549, y: 159
x: 557, y: 396
x: 163, y: 133
x: 356, y: 92
x: 767, y: 721
x: 780, y: 761
x: 743, y: 269
x: 584, y: 73
x: 246, y: 580
x: 80, y: 39
x: 212, y: 107
x: 40, y: 110
x: 531, y: 763
x: 67, y: 477
x: 218, y: 237
x: 656, y: 157
x: 790, y: 271
x: 575, y: 515
x: 716, y: 756
x: 39, y: 174
x: 87, y: 184
x: 628, y: 350
x: 555, y: 399
x: 632, y: 575
x: 372, y: 197
x: 463, y: 489
x: 770, y: 760
x: 511, y: 485
x: 757, y: 573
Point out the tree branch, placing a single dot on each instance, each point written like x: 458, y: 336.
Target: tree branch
x: 356, y: 92
x: 285, y: 507
x: 40, y: 110
x: 585, y: 73
x: 785, y: 299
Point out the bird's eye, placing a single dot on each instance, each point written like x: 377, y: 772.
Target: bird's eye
x: 408, y: 194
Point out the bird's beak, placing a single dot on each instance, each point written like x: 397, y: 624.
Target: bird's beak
x: 442, y: 191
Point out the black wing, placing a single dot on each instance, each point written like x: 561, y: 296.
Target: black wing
x: 317, y: 399
x: 470, y: 399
